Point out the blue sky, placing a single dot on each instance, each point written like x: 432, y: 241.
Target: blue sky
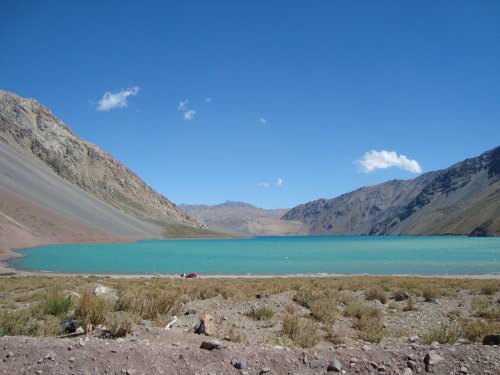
x: 332, y: 80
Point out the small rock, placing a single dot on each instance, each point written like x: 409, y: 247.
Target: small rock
x: 491, y: 339
x: 412, y: 365
x: 210, y: 345
x: 190, y: 312
x: 71, y: 359
x: 431, y: 359
x: 464, y: 370
x: 435, y: 345
x: 131, y: 371
x: 10, y: 355
x: 407, y: 371
x: 68, y: 326
x: 265, y: 370
x: 50, y: 356
x: 411, y: 357
x: 70, y: 347
x: 239, y: 364
x: 413, y: 338
x: 316, y: 363
x: 335, y: 366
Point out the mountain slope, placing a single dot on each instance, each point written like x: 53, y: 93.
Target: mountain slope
x: 356, y: 212
x: 34, y: 131
x: 241, y: 218
x: 462, y: 199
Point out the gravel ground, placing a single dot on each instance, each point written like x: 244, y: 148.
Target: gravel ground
x: 173, y: 354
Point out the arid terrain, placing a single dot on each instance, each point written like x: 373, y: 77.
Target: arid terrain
x: 287, y: 325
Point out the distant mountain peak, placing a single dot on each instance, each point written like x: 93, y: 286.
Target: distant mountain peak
x: 235, y: 204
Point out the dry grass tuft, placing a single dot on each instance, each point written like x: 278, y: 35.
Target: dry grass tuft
x: 91, y: 310
x: 235, y: 335
x: 444, y: 333
x: 119, y: 323
x: 303, y: 332
x: 373, y: 294
x: 367, y: 320
x: 262, y: 313
x: 475, y: 329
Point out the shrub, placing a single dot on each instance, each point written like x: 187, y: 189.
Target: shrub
x: 367, y: 321
x: 18, y: 323
x: 303, y: 332
x: 119, y: 323
x: 305, y: 297
x: 235, y: 335
x: 483, y: 308
x: 291, y: 325
x: 445, y: 333
x: 49, y: 326
x: 262, y: 313
x: 91, y: 310
x: 323, y: 305
x: 429, y: 294
x: 376, y: 294
x: 400, y: 295
x: 475, y: 329
x: 489, y: 289
x: 324, y: 310
x: 410, y: 306
x: 334, y: 337
x: 55, y: 303
x: 150, y: 304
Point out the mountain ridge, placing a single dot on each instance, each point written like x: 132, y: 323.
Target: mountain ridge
x: 34, y: 131
x: 462, y: 199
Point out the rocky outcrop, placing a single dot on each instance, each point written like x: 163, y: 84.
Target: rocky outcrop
x: 35, y: 131
x: 463, y: 199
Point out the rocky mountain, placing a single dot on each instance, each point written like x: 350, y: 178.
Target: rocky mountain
x: 463, y: 199
x: 240, y: 218
x: 46, y: 164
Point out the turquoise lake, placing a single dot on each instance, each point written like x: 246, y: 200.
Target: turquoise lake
x: 273, y: 255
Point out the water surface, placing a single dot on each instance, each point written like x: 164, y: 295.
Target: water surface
x: 273, y: 255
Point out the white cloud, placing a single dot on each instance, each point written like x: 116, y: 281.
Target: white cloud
x: 189, y: 115
x: 263, y: 184
x: 262, y: 121
x: 279, y: 182
x: 373, y: 160
x: 116, y: 100
x: 183, y: 105
x: 208, y: 100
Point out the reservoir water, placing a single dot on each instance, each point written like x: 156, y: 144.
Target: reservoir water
x: 273, y: 255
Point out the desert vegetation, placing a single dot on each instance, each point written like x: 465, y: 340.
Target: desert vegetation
x: 292, y: 311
